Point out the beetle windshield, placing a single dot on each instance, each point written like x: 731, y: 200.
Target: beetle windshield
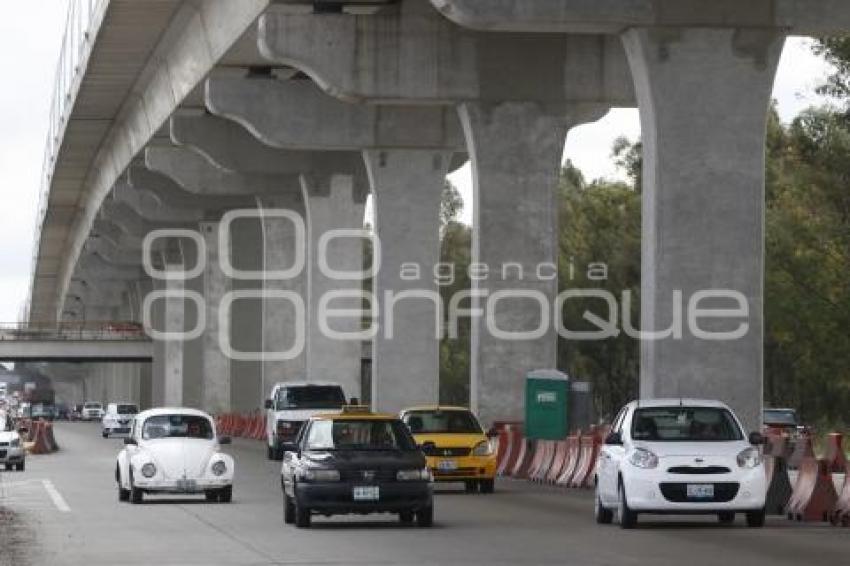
x: 177, y: 426
x: 435, y: 422
x: 685, y: 424
x: 351, y: 434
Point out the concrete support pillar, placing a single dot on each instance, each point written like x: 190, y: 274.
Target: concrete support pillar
x: 281, y: 241
x: 216, y: 366
x: 703, y: 95
x: 334, y: 202
x: 174, y: 319
x: 516, y: 151
x: 407, y: 186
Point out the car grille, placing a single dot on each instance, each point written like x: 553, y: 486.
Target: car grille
x: 368, y: 475
x: 677, y: 492
x: 458, y: 473
x: 448, y: 452
x: 699, y: 470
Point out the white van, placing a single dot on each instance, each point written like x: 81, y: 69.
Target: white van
x: 291, y: 405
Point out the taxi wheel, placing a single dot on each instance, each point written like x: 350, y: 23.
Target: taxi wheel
x: 288, y: 510
x: 406, y: 517
x: 471, y: 486
x: 425, y: 516
x: 302, y: 516
x: 487, y: 486
x: 225, y: 494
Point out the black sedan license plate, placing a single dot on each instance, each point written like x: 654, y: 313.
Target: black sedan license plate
x: 700, y: 491
x: 366, y: 493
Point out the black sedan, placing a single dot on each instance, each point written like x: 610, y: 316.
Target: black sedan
x: 356, y: 462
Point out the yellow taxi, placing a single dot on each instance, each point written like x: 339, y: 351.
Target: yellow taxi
x: 455, y: 445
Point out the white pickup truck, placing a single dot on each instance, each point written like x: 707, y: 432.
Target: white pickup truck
x: 291, y: 404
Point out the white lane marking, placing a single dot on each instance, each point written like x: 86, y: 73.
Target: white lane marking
x: 57, y: 498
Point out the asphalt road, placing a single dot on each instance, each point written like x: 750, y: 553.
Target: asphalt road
x: 64, y: 510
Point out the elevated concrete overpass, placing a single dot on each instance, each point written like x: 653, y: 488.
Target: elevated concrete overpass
x: 177, y: 114
x: 71, y: 343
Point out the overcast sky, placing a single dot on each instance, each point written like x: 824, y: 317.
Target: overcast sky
x: 30, y: 34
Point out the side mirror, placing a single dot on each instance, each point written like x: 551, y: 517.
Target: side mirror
x: 268, y: 404
x: 614, y: 439
x: 756, y: 438
x: 428, y: 447
x: 223, y: 440
x: 130, y: 441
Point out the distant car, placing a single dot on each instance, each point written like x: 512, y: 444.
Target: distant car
x: 356, y: 462
x: 12, y: 454
x: 455, y: 444
x: 91, y: 411
x: 785, y: 421
x: 679, y: 456
x: 76, y: 413
x: 117, y: 418
x: 174, y: 451
x: 291, y: 405
x: 62, y: 412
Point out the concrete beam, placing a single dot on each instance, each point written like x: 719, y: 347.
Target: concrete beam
x: 412, y: 55
x: 296, y: 114
x: 795, y: 17
x: 173, y: 195
x: 150, y: 207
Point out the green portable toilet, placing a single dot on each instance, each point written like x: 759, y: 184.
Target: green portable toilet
x: 546, y: 404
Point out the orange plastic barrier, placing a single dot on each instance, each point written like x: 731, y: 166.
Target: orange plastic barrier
x: 40, y: 443
x: 536, y: 459
x: 835, y: 458
x: 510, y: 449
x: 524, y: 458
x: 548, y: 447
x: 803, y: 448
x: 571, y: 464
x: 841, y: 512
x: 814, y: 497
x: 776, y: 471
x: 50, y: 438
x: 558, y: 462
x: 587, y: 462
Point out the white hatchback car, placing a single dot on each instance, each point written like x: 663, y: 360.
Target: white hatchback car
x: 12, y: 454
x: 679, y: 456
x: 117, y: 419
x: 174, y: 451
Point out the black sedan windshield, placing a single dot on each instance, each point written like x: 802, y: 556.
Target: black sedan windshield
x: 351, y: 434
x: 685, y: 424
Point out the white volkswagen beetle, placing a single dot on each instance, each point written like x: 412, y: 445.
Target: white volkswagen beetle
x: 174, y: 451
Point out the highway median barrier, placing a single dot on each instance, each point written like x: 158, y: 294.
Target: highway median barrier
x: 571, y: 463
x: 813, y: 497
x: 776, y: 472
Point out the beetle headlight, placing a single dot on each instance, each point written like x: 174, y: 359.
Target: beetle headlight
x: 749, y: 458
x: 149, y: 470
x: 483, y: 448
x: 414, y: 475
x: 643, y: 458
x: 320, y: 475
x: 219, y: 468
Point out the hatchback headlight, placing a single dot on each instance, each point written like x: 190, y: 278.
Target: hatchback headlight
x: 414, y: 475
x: 320, y: 475
x: 219, y: 468
x: 483, y: 448
x: 749, y: 458
x: 149, y: 470
x: 643, y: 458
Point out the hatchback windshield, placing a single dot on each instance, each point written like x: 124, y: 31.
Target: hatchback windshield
x: 452, y: 422
x: 127, y: 409
x: 352, y: 434
x: 177, y: 426
x: 310, y: 397
x: 685, y: 424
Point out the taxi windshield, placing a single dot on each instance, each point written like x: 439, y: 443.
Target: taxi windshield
x: 177, y: 426
x: 685, y: 424
x: 449, y: 422
x: 352, y: 434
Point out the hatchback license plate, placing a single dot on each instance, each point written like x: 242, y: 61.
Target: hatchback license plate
x: 367, y: 493
x: 447, y: 465
x: 700, y: 491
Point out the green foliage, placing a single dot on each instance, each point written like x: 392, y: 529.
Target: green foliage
x: 836, y: 50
